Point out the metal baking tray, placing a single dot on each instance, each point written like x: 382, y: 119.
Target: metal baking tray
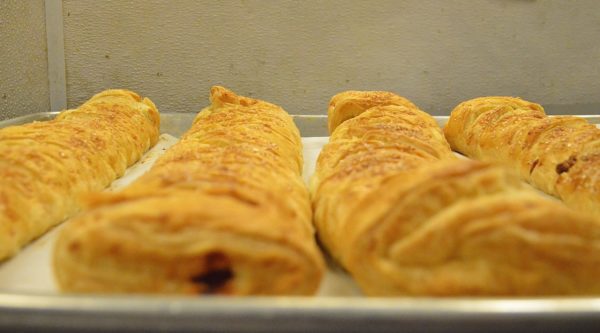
x: 33, y: 311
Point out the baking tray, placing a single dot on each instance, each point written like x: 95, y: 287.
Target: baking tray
x: 32, y: 311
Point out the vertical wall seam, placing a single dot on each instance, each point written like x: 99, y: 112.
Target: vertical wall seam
x: 57, y: 82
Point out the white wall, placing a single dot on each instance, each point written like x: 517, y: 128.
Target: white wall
x: 23, y: 64
x: 299, y: 53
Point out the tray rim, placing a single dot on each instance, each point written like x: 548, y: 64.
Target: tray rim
x: 156, y: 313
x: 290, y: 314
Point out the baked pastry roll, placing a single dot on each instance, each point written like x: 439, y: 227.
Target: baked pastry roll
x: 405, y: 217
x: 558, y: 155
x: 349, y: 104
x: 223, y: 211
x: 46, y: 166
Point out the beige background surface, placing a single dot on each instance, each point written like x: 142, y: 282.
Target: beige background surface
x: 23, y: 61
x: 299, y: 53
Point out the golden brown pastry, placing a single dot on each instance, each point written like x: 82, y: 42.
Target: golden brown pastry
x: 223, y: 211
x: 558, y: 155
x: 350, y: 104
x: 405, y: 217
x: 46, y: 166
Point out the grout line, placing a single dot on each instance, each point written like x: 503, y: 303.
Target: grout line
x: 57, y: 82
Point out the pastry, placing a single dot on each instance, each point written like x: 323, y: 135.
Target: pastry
x: 46, y: 166
x: 350, y: 104
x: 558, y: 155
x: 223, y: 211
x: 404, y: 216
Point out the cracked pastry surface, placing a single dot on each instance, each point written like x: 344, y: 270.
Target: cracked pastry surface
x: 558, y: 155
x: 405, y: 217
x: 223, y: 211
x: 45, y: 166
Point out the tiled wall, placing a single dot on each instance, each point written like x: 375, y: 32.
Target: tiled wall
x: 299, y: 53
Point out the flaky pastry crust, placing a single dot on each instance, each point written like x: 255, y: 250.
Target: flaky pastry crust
x: 46, y: 166
x: 558, y: 155
x: 405, y: 217
x: 223, y: 211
